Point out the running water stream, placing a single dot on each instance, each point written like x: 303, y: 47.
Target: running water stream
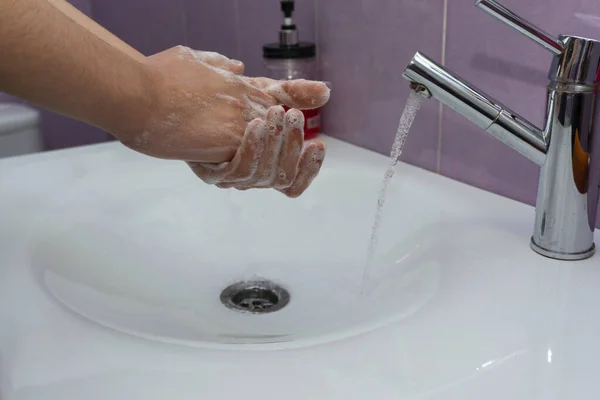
x: 406, y: 120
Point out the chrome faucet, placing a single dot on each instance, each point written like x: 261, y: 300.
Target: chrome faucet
x: 567, y: 149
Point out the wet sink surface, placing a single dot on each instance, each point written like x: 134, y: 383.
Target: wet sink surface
x: 153, y: 258
x: 103, y: 249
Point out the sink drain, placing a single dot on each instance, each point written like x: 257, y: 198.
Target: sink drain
x: 257, y: 297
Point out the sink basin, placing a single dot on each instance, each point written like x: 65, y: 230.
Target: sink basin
x: 112, y: 268
x: 153, y: 257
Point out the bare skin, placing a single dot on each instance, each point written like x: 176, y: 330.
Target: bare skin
x: 179, y: 104
x: 259, y: 164
x: 90, y: 25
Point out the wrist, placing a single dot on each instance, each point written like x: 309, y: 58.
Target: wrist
x: 137, y: 105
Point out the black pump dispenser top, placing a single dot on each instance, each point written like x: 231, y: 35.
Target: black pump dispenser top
x: 288, y: 46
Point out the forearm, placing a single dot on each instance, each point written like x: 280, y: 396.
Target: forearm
x: 90, y: 25
x: 49, y: 58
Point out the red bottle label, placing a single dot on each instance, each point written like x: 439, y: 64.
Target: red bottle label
x: 312, y: 122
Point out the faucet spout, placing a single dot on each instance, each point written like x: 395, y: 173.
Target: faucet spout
x: 567, y: 149
x: 479, y: 108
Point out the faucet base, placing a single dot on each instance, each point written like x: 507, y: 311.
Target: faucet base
x: 563, y: 256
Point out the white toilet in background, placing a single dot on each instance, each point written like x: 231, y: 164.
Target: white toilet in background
x: 19, y: 130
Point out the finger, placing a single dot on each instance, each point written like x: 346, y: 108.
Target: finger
x: 293, y: 141
x: 299, y: 93
x: 209, y: 173
x: 226, y: 185
x: 257, y: 96
x: 253, y: 110
x: 233, y: 185
x: 308, y: 168
x: 244, y: 163
x: 232, y: 101
x: 251, y: 93
x: 219, y: 61
x: 266, y: 171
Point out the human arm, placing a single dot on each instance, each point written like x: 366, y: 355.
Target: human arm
x: 53, y: 61
x: 179, y: 104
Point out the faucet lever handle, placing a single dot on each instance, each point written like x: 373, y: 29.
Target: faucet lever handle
x: 534, y: 33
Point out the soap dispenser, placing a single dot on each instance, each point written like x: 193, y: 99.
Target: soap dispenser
x: 292, y: 59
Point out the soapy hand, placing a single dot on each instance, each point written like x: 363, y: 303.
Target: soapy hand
x: 208, y: 114
x: 272, y: 155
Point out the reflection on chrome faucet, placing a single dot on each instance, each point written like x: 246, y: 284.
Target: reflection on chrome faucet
x: 567, y: 149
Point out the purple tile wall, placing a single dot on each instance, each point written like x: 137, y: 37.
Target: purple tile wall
x: 211, y: 25
x: 59, y: 131
x: 363, y: 46
x: 239, y: 28
x: 85, y: 6
x: 4, y: 98
x: 149, y: 26
x: 512, y: 69
x: 236, y: 28
x: 262, y: 19
x: 363, y: 49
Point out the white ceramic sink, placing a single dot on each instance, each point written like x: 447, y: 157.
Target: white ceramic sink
x: 102, y: 249
x: 152, y: 257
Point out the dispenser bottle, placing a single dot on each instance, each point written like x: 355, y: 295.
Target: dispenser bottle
x: 292, y: 59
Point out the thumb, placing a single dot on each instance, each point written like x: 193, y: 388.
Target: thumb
x: 300, y: 93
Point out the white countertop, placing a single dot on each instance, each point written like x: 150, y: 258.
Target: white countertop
x: 503, y: 324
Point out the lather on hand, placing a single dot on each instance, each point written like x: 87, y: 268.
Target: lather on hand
x: 230, y: 128
x: 179, y: 104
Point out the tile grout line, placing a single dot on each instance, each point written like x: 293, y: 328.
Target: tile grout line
x: 184, y: 23
x: 316, y: 33
x: 107, y: 136
x: 236, y: 12
x: 441, y: 109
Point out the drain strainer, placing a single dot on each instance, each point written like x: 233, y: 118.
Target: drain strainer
x: 257, y: 297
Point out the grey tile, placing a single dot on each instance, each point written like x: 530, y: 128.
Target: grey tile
x: 6, y: 98
x: 211, y: 25
x: 85, y: 6
x: 61, y: 132
x: 513, y: 70
x: 259, y: 23
x: 363, y: 49
x: 150, y: 26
